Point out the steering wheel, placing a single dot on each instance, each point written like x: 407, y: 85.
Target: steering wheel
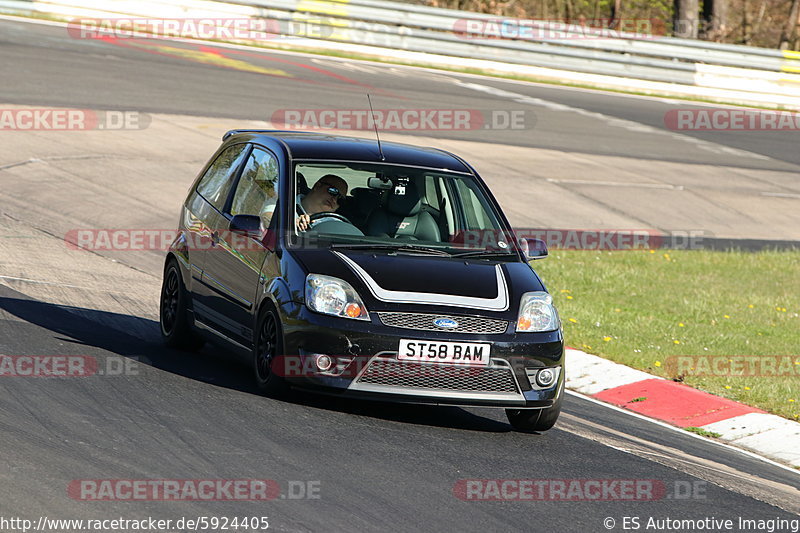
x: 329, y: 214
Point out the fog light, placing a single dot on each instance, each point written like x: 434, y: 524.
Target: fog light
x: 545, y: 377
x: 323, y: 362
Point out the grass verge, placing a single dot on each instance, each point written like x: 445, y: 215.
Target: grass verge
x: 724, y: 322
x: 703, y: 432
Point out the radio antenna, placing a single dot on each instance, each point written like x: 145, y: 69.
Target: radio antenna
x: 375, y: 124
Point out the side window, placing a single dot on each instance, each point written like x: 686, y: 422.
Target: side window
x: 478, y: 217
x: 257, y: 191
x: 431, y: 194
x: 216, y: 183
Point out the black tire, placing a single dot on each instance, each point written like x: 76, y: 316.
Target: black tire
x: 175, y: 328
x: 267, y: 345
x: 528, y: 420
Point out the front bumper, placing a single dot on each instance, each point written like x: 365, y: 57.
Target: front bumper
x: 365, y: 364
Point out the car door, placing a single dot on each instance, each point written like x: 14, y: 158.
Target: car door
x: 233, y: 266
x: 204, y: 205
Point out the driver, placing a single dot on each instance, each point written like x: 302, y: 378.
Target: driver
x: 324, y: 196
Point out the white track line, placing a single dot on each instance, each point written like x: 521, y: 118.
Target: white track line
x: 630, y: 125
x: 619, y: 184
x: 683, y: 431
x: 780, y: 194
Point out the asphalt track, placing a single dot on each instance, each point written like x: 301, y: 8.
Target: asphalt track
x: 587, y: 159
x: 378, y: 467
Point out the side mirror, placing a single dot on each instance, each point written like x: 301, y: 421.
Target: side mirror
x: 249, y: 225
x: 533, y: 248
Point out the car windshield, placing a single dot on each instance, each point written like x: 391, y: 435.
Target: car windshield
x: 396, y: 208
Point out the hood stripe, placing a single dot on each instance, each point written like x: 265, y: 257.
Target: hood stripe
x: 498, y: 303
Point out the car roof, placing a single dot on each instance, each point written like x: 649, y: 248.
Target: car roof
x: 306, y: 145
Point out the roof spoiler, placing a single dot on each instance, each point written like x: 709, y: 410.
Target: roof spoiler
x: 236, y: 132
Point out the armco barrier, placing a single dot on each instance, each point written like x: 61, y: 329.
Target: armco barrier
x: 752, y: 75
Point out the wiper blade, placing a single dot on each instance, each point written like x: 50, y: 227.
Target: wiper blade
x: 390, y: 247
x: 485, y: 253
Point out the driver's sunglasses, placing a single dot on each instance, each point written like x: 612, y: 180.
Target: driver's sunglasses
x: 334, y: 191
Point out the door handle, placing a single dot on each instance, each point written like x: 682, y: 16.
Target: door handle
x: 215, y: 238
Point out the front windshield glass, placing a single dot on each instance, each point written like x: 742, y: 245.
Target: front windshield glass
x: 370, y: 205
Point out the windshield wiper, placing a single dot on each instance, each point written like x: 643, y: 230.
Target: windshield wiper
x: 390, y: 247
x: 486, y: 253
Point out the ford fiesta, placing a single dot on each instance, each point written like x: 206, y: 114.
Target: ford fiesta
x: 366, y: 269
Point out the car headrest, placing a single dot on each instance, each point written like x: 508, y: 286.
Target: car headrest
x: 406, y: 205
x: 365, y: 200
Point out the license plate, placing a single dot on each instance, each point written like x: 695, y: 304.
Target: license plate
x: 457, y: 353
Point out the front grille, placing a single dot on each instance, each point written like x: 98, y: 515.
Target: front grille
x: 436, y: 376
x: 424, y: 322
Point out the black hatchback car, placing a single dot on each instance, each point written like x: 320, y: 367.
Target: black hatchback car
x: 365, y: 269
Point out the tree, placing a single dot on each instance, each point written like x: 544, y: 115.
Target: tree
x: 616, y: 13
x: 788, y: 33
x: 686, y: 19
x: 715, y: 19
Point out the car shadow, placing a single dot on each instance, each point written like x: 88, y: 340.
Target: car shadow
x: 128, y: 336
x: 420, y: 414
x: 140, y: 339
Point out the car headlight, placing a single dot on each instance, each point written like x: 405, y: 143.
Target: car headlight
x: 333, y: 296
x: 537, y: 313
